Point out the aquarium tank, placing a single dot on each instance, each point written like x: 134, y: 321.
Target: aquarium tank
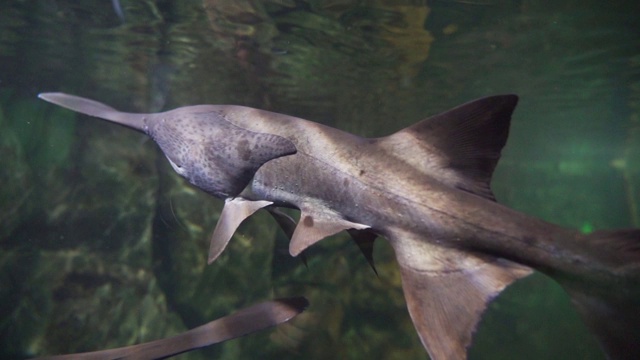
x: 103, y: 245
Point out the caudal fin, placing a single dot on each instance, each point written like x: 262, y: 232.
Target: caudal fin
x: 609, y: 301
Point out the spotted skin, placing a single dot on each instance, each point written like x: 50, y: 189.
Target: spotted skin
x: 426, y: 189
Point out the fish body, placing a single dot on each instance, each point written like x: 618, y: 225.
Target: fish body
x: 426, y: 189
x: 243, y: 322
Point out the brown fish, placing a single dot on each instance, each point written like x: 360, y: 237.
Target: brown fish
x: 243, y: 322
x: 426, y: 189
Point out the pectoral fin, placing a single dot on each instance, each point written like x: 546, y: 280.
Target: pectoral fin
x: 233, y: 214
x: 315, y: 226
x: 447, y: 299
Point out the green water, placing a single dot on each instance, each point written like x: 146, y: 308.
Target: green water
x: 102, y: 245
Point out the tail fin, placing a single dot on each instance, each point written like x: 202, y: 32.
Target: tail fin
x: 609, y: 303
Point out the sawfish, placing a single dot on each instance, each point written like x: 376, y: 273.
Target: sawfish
x: 240, y: 323
x: 425, y: 189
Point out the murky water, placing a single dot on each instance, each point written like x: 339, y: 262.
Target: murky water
x: 103, y: 246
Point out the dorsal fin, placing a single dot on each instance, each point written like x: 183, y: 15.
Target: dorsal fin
x: 234, y: 212
x: 459, y: 147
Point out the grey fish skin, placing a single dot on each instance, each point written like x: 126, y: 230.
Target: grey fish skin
x: 426, y: 189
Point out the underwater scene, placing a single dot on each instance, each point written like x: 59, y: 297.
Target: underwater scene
x: 103, y: 245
